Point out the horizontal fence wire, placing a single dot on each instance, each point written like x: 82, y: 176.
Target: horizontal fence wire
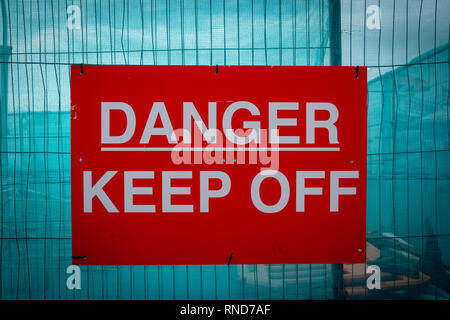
x: 404, y: 44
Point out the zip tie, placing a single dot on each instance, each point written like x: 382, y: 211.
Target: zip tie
x: 81, y: 69
x: 357, y: 71
x: 79, y: 257
x: 217, y: 69
x: 231, y: 257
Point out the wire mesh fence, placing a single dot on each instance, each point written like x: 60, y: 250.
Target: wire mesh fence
x: 404, y: 43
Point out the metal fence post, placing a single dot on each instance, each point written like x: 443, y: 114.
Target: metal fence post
x: 334, y: 11
x: 5, y: 52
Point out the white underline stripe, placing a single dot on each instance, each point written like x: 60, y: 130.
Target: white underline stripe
x: 220, y: 149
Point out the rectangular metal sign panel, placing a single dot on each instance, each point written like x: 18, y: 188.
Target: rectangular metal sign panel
x: 215, y: 165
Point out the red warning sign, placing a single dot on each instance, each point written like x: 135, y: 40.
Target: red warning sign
x: 205, y: 165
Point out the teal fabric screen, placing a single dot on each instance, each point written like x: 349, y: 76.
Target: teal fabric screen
x: 408, y: 133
